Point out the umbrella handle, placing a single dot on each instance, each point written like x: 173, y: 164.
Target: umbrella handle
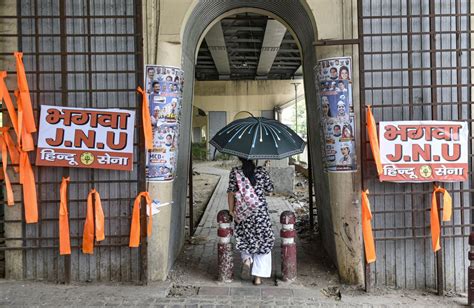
x: 245, y: 112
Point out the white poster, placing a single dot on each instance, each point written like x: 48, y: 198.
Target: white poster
x: 424, y: 151
x: 86, y: 138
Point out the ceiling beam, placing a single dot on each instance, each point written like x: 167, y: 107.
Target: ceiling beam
x: 274, y: 33
x: 216, y: 45
x: 298, y: 73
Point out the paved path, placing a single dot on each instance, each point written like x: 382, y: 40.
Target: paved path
x: 192, y: 281
x: 200, y: 257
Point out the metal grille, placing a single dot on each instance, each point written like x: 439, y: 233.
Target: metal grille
x: 415, y: 59
x: 83, y: 53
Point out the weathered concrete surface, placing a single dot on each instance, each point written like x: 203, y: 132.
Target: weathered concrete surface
x: 316, y: 285
x: 283, y: 179
x: 19, y: 294
x: 158, y: 243
x: 234, y: 96
x: 346, y: 227
x: 173, y: 18
x: 161, y: 23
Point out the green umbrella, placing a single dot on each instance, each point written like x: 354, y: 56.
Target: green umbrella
x: 258, y: 138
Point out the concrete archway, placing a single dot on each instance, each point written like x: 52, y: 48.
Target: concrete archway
x: 298, y: 18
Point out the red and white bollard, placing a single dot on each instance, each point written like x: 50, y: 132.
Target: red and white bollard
x: 288, y: 246
x: 225, y: 257
x: 470, y: 272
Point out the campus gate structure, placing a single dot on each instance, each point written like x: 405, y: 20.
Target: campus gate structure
x: 79, y: 54
x: 415, y: 64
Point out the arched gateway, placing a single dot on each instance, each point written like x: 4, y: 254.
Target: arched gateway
x: 299, y: 20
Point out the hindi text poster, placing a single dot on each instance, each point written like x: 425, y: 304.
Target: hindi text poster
x: 85, y: 138
x: 424, y: 151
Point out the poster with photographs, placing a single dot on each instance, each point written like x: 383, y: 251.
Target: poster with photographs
x: 164, y: 86
x: 335, y: 82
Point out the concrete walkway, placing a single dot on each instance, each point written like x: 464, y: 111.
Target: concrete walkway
x: 200, y: 256
x: 192, y: 281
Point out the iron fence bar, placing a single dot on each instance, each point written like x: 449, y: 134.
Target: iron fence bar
x: 418, y: 15
x: 434, y: 32
x: 77, y: 53
x: 82, y: 218
x: 64, y: 102
x: 66, y: 16
x: 415, y: 69
x: 336, y: 42
x: 425, y: 236
x: 31, y: 44
x: 56, y: 247
x: 469, y: 110
x: 410, y: 98
x: 191, y: 194
x: 459, y: 226
x: 141, y: 175
x: 434, y: 115
x: 371, y: 32
x: 459, y: 116
x: 74, y: 35
x: 433, y: 86
x: 431, y: 50
x: 23, y: 225
x: 49, y: 238
x: 420, y: 104
x: 360, y: 25
x: 75, y: 72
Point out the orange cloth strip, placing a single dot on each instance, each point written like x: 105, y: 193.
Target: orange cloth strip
x: 147, y: 131
x: 28, y: 116
x: 135, y: 226
x: 25, y: 140
x: 64, y: 242
x: 374, y: 141
x: 434, y: 216
x: 8, y: 101
x: 367, y: 234
x: 88, y: 235
x: 27, y: 179
x: 8, y: 185
x: 12, y: 150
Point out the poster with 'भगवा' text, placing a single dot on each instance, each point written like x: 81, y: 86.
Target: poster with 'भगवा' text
x: 424, y: 151
x: 86, y: 138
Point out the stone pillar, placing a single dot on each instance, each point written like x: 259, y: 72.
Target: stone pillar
x: 470, y: 272
x: 288, y: 246
x: 346, y: 226
x: 162, y: 46
x: 225, y: 255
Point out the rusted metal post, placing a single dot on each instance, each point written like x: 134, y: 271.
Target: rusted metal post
x: 225, y: 257
x: 470, y: 272
x: 288, y: 246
